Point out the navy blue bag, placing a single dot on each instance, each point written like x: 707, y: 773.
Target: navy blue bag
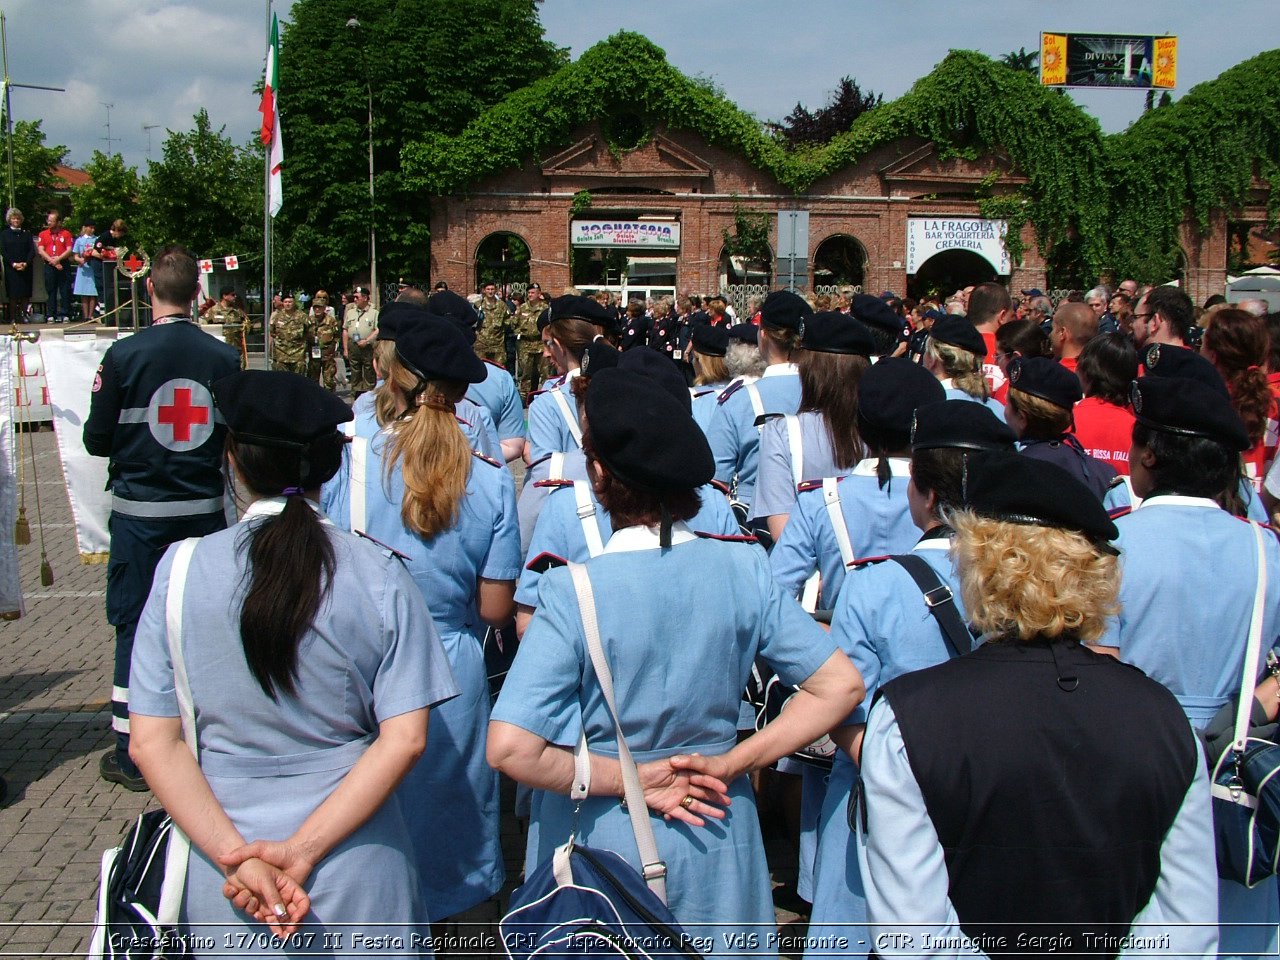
x: 586, y: 901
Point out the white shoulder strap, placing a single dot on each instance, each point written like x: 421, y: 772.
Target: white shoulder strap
x: 556, y: 467
x: 358, y: 485
x: 1252, y: 650
x: 570, y: 417
x: 757, y: 401
x: 587, y: 516
x: 654, y: 870
x: 809, y: 593
x: 831, y: 496
x: 796, y: 442
x: 179, y: 848
x: 349, y: 428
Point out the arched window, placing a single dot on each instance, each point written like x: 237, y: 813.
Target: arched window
x: 839, y: 261
x: 503, y: 259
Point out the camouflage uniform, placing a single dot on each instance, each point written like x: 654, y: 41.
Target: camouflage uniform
x: 491, y: 342
x: 235, y: 327
x: 529, y: 347
x: 290, y: 335
x: 326, y: 334
x: 360, y: 325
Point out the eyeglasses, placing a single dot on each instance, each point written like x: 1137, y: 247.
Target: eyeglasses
x: 1144, y: 316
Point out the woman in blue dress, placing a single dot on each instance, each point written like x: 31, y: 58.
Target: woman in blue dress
x: 553, y: 426
x: 86, y: 286
x: 419, y: 488
x: 312, y: 665
x: 675, y: 698
x: 883, y: 623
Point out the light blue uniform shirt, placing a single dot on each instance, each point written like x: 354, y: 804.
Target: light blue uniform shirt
x: 906, y: 876
x: 704, y: 403
x: 497, y: 393
x: 991, y: 403
x: 451, y: 795
x: 1188, y: 576
x: 779, y: 476
x: 571, y: 465
x: 549, y: 430
x: 734, y: 437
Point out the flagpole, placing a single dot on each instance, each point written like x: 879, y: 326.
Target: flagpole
x: 266, y: 229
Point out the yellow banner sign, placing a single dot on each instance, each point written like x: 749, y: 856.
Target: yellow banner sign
x: 1164, y: 73
x: 1053, y: 58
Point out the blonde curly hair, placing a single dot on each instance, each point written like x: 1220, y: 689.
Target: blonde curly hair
x: 1020, y: 581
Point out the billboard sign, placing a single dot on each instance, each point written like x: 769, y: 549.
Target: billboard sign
x: 626, y: 233
x: 927, y: 236
x: 1108, y: 60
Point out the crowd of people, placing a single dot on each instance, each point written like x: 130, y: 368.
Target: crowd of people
x: 888, y: 567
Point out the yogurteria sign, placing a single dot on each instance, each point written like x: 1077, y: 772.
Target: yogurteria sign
x: 626, y: 233
x: 929, y: 235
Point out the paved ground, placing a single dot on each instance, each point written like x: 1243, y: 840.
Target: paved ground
x: 55, y: 722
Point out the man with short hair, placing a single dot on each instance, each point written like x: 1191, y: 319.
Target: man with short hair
x: 990, y: 308
x: 491, y: 337
x: 151, y: 412
x: 233, y: 320
x: 359, y: 330
x: 1038, y: 309
x: 1120, y: 309
x: 54, y: 247
x: 1165, y: 315
x: 529, y: 342
x: 1074, y: 325
x: 1129, y: 288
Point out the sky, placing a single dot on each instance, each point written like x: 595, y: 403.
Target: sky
x: 159, y: 61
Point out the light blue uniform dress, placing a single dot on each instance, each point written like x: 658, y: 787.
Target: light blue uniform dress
x: 991, y: 403
x: 882, y: 623
x: 498, y: 394
x: 779, y: 475
x: 704, y: 402
x: 906, y: 874
x: 476, y: 424
x: 549, y: 423
x: 451, y: 795
x: 86, y: 285
x: 570, y: 465
x: 733, y: 434
x: 878, y: 522
x: 372, y: 654
x: 1186, y: 595
x: 679, y: 667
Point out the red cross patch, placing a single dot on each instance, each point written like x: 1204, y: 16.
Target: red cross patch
x: 206, y: 266
x: 231, y: 263
x: 180, y: 415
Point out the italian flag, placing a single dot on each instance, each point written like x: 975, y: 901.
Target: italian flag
x: 270, y: 132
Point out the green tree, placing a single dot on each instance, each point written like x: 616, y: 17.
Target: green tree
x: 432, y: 66
x: 204, y: 192
x: 34, y: 181
x: 112, y: 191
x: 1023, y: 60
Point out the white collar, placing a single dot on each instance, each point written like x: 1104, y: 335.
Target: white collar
x: 898, y: 467
x: 575, y: 372
x: 780, y: 370
x: 631, y: 539
x: 274, y: 506
x: 1177, y: 500
x: 937, y: 543
x: 946, y: 384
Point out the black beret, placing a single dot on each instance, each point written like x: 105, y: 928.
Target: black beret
x: 584, y: 308
x: 1190, y: 408
x: 874, y: 312
x: 446, y: 303
x: 717, y: 296
x: 600, y: 353
x: 710, y: 341
x: 277, y: 408
x: 934, y: 314
x: 745, y: 333
x: 658, y: 367
x: 1163, y: 360
x: 959, y: 425
x: 890, y: 392
x: 834, y: 332
x: 643, y: 436
x: 959, y: 332
x: 1045, y: 378
x: 396, y: 316
x: 785, y: 310
x: 1019, y: 489
x: 435, y: 349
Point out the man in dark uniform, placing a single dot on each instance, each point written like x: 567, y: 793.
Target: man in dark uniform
x: 151, y: 413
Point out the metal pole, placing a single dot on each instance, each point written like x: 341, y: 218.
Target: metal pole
x: 8, y: 106
x: 266, y: 232
x: 373, y: 230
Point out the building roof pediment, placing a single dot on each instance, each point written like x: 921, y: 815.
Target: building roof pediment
x: 660, y: 158
x: 925, y: 165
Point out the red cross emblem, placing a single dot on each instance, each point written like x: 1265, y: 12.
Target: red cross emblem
x: 180, y: 415
x: 133, y: 263
x: 231, y: 263
x: 206, y: 266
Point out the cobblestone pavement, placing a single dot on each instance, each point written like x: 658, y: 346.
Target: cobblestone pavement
x: 55, y: 720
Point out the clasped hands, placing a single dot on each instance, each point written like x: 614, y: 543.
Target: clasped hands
x: 687, y: 787
x: 265, y: 879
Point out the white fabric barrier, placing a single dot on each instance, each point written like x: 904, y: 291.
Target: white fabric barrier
x: 11, y: 605
x: 70, y: 364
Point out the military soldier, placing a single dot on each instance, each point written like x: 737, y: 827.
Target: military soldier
x: 290, y: 336
x: 359, y: 329
x: 326, y: 331
x: 529, y: 342
x: 491, y: 337
x: 235, y: 323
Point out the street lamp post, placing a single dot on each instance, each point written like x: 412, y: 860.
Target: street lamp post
x: 354, y: 25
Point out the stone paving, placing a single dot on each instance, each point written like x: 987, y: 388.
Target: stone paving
x: 55, y: 686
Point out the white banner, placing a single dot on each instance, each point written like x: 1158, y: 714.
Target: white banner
x: 70, y: 364
x: 11, y: 606
x: 625, y: 233
x: 929, y: 235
